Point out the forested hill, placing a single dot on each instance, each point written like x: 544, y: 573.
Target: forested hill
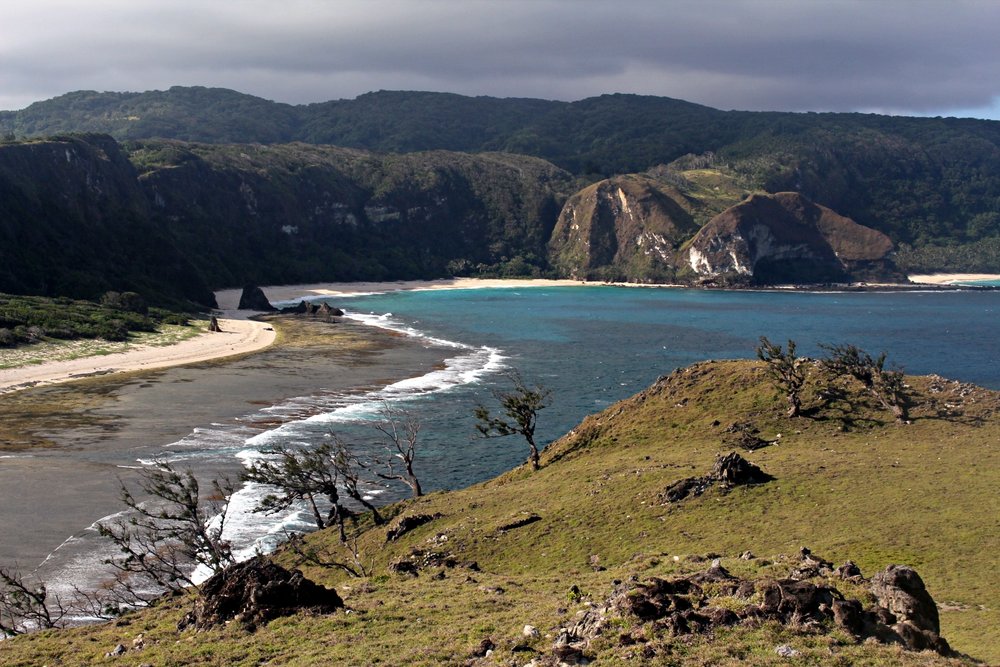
x: 924, y: 181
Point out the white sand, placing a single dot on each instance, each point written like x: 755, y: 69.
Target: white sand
x: 238, y: 336
x: 276, y: 293
x: 951, y: 278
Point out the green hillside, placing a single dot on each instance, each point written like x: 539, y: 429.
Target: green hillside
x: 547, y: 548
x: 926, y: 182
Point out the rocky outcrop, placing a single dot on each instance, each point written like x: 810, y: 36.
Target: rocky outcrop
x: 784, y: 237
x: 728, y: 471
x: 904, y: 613
x: 255, y: 592
x: 625, y: 228
x: 253, y: 298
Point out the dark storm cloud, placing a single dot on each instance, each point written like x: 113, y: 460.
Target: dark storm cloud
x: 901, y: 56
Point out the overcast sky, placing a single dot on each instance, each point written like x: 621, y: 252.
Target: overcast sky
x: 918, y: 57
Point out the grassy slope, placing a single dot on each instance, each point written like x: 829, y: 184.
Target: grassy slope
x: 850, y: 484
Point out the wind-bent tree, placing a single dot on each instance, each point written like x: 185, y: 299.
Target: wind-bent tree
x: 785, y: 371
x: 886, y: 386
x: 400, y: 431
x: 166, y: 534
x: 24, y: 607
x: 305, y: 475
x: 520, y: 407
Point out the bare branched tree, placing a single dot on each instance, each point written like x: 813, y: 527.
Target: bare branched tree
x: 24, y: 607
x: 784, y: 370
x: 520, y: 407
x: 888, y: 387
x: 400, y: 430
x: 350, y: 474
x: 166, y: 534
x: 357, y: 566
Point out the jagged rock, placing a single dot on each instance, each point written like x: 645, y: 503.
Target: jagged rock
x: 327, y: 311
x: 253, y: 298
x: 849, y: 571
x: 734, y: 470
x: 257, y: 591
x: 407, y: 523
x: 811, y: 566
x: 789, y: 600
x: 301, y: 308
x: 900, y: 590
x: 683, y: 605
x: 683, y: 488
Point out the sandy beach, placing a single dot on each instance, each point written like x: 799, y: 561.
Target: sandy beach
x: 229, y: 299
x: 241, y: 335
x: 238, y: 336
x: 951, y: 278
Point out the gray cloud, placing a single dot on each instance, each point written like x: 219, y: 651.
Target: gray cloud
x: 897, y: 56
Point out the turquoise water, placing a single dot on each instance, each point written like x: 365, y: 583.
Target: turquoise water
x: 591, y: 346
x: 595, y: 345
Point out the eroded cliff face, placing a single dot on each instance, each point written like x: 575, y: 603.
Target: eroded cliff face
x: 622, y: 228
x: 784, y: 237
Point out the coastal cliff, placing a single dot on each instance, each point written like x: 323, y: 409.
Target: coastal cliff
x: 784, y: 237
x: 624, y: 228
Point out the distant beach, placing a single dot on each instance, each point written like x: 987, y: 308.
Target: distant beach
x: 952, y: 278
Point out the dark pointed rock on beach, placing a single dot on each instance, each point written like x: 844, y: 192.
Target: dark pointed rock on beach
x: 253, y: 298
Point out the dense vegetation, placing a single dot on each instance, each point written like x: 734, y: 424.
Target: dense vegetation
x: 84, y: 214
x: 29, y: 319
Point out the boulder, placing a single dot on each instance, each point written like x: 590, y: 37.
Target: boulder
x: 734, y: 470
x: 900, y: 590
x: 253, y: 298
x: 257, y: 591
x: 301, y: 308
x: 328, y: 311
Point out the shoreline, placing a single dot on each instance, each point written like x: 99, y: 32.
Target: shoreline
x: 244, y: 335
x: 951, y: 278
x: 239, y: 335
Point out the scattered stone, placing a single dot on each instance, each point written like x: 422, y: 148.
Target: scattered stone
x: 407, y: 523
x: 116, y: 652
x: 484, y: 649
x: 811, y: 566
x: 531, y: 631
x: 849, y: 571
x: 255, y: 592
x: 786, y: 651
x: 684, y: 605
x: 747, y: 555
x: 253, y: 298
x: 520, y: 522
x: 139, y: 642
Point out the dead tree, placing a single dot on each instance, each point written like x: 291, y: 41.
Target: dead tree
x: 166, y: 534
x: 520, y: 407
x: 888, y: 387
x: 785, y: 371
x: 401, y: 443
x: 24, y: 607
